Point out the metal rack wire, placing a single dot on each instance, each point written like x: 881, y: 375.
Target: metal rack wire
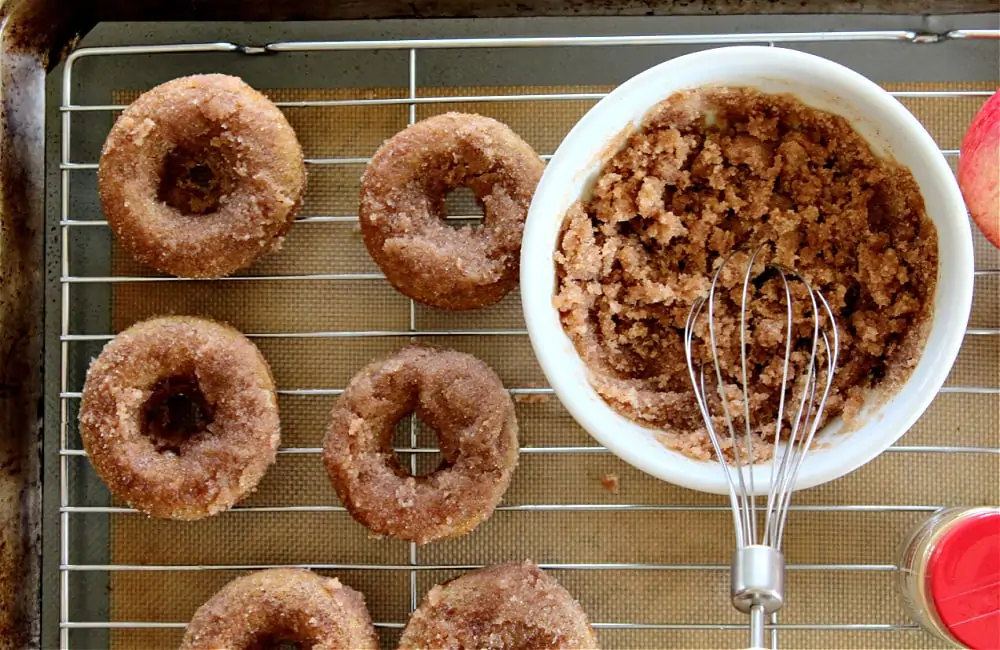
x: 69, y: 280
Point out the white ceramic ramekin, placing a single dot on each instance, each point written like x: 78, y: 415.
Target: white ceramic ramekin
x: 889, y: 128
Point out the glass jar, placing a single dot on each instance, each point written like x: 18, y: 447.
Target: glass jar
x: 949, y: 576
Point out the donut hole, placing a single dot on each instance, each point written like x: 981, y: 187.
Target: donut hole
x: 278, y: 641
x: 463, y: 208
x: 175, y: 412
x: 416, y: 464
x: 194, y: 180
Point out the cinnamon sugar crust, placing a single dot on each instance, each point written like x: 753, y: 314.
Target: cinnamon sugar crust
x: 280, y: 608
x: 200, y: 176
x: 463, y: 401
x: 402, y: 211
x: 180, y: 417
x: 514, y: 606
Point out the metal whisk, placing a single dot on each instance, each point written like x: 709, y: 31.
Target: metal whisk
x: 758, y: 566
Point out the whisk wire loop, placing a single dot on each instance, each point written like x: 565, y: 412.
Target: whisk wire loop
x: 746, y: 402
x: 831, y: 351
x: 742, y: 492
x: 772, y: 488
x: 699, y: 382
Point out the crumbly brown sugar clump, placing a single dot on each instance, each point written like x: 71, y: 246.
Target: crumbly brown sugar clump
x: 718, y: 170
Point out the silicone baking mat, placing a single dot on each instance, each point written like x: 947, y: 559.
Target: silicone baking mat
x: 668, y: 551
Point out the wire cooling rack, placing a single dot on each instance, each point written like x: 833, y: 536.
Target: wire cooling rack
x: 72, y: 280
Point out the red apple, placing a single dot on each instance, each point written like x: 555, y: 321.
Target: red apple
x: 979, y: 169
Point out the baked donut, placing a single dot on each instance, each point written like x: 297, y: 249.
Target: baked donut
x: 504, y: 607
x: 463, y: 401
x: 179, y: 417
x: 201, y: 176
x: 279, y: 607
x: 402, y: 210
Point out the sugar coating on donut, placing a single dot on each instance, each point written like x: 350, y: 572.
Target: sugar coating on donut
x: 402, y: 210
x: 463, y: 401
x: 222, y: 124
x: 201, y: 472
x: 292, y: 606
x: 503, y: 607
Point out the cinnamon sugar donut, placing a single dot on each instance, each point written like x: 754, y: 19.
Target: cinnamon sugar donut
x: 504, y: 607
x: 402, y: 211
x: 463, y: 401
x: 201, y: 176
x: 180, y: 417
x: 279, y: 607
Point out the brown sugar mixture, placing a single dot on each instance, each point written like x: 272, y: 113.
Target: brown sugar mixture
x: 718, y: 170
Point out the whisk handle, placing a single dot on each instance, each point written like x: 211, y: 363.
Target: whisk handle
x: 757, y: 626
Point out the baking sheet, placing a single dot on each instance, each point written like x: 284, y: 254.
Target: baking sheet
x: 686, y: 532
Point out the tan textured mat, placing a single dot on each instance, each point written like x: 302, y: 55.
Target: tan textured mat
x: 688, y: 531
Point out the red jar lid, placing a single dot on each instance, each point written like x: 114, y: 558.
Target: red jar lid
x: 963, y: 575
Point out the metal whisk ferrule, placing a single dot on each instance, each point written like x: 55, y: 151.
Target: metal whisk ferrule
x: 757, y: 586
x: 758, y: 566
